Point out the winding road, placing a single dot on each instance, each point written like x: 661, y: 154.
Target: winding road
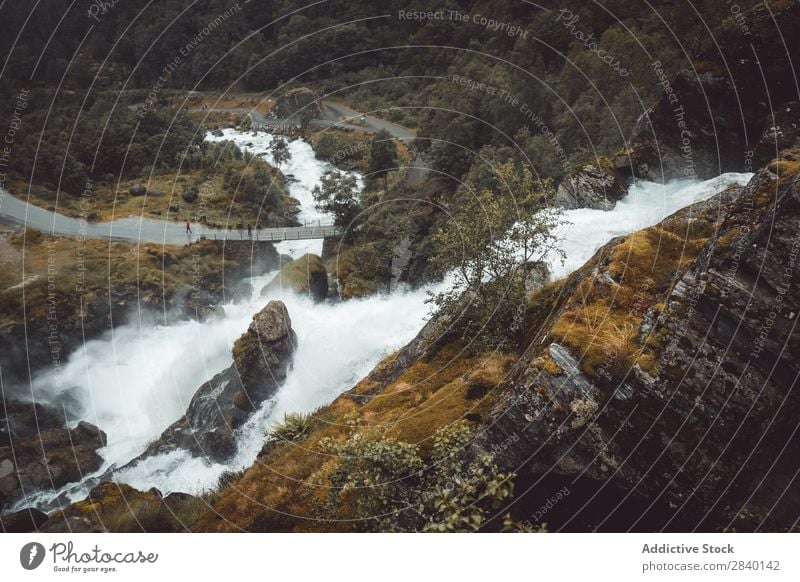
x: 161, y: 231
x: 339, y: 115
x: 142, y: 229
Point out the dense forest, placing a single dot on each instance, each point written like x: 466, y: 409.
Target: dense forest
x: 564, y: 83
x: 643, y: 361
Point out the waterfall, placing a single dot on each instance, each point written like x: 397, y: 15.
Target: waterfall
x: 140, y: 378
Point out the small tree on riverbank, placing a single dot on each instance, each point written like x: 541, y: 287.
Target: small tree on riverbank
x: 280, y: 151
x: 337, y: 194
x: 382, y: 157
x: 493, y: 245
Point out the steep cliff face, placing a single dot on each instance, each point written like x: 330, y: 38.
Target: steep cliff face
x: 719, y: 115
x: 660, y: 386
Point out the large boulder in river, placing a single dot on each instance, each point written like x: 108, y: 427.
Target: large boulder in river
x: 301, y: 103
x: 306, y: 276
x: 595, y: 185
x: 262, y: 355
x: 49, y: 460
x: 261, y: 359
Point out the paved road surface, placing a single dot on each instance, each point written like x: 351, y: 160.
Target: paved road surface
x: 161, y: 231
x: 142, y: 229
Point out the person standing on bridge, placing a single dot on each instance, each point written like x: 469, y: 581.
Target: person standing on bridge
x: 249, y: 231
x: 188, y: 228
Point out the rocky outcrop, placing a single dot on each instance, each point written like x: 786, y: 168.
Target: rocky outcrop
x: 660, y: 385
x: 26, y: 419
x: 117, y: 507
x: 715, y: 117
x: 253, y: 258
x: 261, y: 359
x: 24, y: 521
x: 48, y: 459
x: 305, y: 276
x: 176, y: 282
x: 300, y: 103
x: 782, y: 132
x: 696, y: 132
x: 595, y: 185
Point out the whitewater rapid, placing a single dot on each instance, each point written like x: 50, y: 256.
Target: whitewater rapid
x: 303, y: 172
x: 137, y: 381
x: 585, y: 230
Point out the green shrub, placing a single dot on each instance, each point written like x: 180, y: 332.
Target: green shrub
x: 387, y: 486
x: 228, y: 478
x: 295, y: 426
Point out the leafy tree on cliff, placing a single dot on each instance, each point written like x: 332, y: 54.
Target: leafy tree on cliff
x: 494, y: 247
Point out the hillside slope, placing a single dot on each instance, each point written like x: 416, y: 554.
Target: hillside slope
x: 651, y: 382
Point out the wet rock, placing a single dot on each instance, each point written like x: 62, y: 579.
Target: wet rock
x: 261, y: 359
x: 49, y: 460
x: 306, y: 276
x: 25, y: 419
x: 253, y: 257
x: 595, y: 185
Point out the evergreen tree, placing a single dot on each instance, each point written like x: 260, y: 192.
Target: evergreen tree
x: 382, y: 157
x: 280, y: 151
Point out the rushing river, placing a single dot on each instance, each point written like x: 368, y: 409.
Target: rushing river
x: 137, y: 381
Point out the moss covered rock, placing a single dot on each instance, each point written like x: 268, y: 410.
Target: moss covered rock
x: 306, y: 276
x: 117, y: 507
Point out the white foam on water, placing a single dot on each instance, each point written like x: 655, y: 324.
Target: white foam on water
x: 647, y: 203
x: 337, y: 345
x: 136, y: 382
x: 303, y: 171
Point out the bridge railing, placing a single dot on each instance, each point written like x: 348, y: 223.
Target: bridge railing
x: 276, y: 234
